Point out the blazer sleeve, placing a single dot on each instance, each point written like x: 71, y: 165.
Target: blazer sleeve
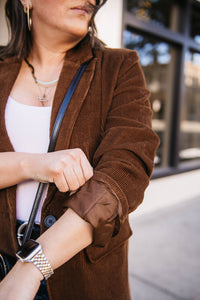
x: 123, y: 161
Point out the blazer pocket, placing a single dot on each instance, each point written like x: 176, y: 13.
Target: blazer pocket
x: 95, y: 253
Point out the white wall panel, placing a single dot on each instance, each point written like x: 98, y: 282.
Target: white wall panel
x: 3, y: 26
x: 109, y: 23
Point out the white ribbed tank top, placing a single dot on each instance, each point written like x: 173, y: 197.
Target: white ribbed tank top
x: 28, y: 130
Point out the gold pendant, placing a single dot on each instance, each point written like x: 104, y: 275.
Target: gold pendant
x: 43, y: 98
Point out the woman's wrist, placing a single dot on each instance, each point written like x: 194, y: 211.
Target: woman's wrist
x: 25, y: 163
x: 28, y: 165
x: 22, y: 282
x: 30, y: 270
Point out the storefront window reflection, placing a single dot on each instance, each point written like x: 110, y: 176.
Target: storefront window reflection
x: 195, y: 22
x: 161, y: 12
x: 190, y: 124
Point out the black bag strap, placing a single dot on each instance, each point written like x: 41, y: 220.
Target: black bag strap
x: 51, y: 148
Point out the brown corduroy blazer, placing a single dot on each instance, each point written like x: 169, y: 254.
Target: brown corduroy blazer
x: 109, y: 118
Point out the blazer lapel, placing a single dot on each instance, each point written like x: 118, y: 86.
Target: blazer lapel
x: 70, y: 67
x: 63, y: 142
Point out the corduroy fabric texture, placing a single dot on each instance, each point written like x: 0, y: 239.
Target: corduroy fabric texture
x: 109, y: 118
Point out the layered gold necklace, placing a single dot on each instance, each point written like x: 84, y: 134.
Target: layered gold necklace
x: 44, y: 87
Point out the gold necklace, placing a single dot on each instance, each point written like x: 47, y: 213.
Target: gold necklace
x: 47, y: 86
x: 44, y: 94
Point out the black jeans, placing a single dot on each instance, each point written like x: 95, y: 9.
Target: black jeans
x: 42, y: 293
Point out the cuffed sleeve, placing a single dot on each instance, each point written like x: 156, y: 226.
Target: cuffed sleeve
x: 99, y: 208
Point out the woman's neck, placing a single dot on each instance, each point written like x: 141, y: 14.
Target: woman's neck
x: 44, y: 56
x: 47, y: 61
x: 51, y: 50
x: 48, y: 53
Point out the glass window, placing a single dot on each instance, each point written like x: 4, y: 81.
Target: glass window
x: 157, y: 60
x: 195, y: 22
x: 190, y: 123
x: 162, y: 12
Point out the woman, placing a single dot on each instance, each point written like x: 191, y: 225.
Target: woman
x: 103, y: 158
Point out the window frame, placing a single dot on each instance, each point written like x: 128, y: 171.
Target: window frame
x: 183, y: 42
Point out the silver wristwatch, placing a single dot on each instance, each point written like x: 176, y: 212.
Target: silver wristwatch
x: 31, y: 251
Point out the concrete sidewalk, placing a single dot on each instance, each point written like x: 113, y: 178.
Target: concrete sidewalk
x: 164, y: 251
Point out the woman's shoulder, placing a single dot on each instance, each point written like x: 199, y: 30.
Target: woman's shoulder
x: 9, y: 66
x: 118, y: 55
x: 119, y: 51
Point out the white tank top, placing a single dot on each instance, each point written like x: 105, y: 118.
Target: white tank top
x: 28, y: 129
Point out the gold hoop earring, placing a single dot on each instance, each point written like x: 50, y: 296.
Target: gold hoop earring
x: 29, y: 19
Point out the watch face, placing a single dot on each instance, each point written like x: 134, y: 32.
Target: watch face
x: 28, y: 250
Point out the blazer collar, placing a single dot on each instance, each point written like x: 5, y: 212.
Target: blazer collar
x: 81, y: 53
x: 73, y: 60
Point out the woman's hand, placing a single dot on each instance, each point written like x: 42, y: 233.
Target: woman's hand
x: 21, y: 283
x: 68, y: 169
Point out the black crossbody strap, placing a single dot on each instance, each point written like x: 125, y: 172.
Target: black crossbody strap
x: 51, y: 148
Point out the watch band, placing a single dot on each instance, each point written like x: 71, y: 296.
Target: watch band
x: 31, y: 252
x: 40, y: 261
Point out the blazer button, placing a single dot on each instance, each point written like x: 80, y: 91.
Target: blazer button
x: 49, y: 220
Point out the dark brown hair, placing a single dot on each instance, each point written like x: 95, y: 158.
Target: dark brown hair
x: 20, y: 42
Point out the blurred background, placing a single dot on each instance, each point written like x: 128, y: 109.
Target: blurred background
x: 165, y: 247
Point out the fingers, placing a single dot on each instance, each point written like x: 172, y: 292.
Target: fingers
x: 86, y: 168
x: 74, y: 180
x: 61, y: 183
x: 75, y: 171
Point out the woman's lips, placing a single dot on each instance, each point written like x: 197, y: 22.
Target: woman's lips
x: 83, y: 10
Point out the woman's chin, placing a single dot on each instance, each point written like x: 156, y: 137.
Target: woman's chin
x: 78, y: 27
x: 79, y: 33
